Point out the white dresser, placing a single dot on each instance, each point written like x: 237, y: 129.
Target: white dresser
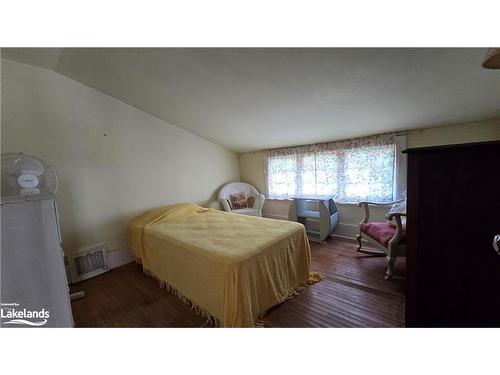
x: 34, y: 288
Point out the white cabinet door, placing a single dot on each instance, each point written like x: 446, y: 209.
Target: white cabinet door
x: 32, y: 266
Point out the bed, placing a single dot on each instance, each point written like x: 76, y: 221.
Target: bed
x: 229, y: 268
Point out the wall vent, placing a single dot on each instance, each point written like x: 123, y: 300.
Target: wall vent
x: 89, y: 262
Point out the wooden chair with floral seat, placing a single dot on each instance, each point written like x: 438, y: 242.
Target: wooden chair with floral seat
x: 390, y: 238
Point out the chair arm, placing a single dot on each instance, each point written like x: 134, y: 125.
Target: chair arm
x: 259, y: 201
x: 394, y: 215
x: 399, y: 227
x: 225, y: 204
x: 367, y: 211
x: 380, y: 203
x: 367, y: 205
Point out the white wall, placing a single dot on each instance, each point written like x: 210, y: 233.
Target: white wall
x: 253, y: 164
x: 113, y: 161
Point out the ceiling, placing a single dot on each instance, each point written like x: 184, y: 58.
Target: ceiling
x: 253, y: 99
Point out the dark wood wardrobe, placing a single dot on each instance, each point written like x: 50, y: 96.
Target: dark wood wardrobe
x: 453, y: 270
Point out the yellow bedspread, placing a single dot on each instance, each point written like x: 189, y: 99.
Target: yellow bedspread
x: 230, y: 267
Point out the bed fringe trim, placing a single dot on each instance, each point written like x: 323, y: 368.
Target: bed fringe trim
x: 314, y: 277
x: 210, y: 319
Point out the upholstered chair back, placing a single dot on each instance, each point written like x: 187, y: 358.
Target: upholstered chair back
x: 237, y: 187
x: 255, y: 208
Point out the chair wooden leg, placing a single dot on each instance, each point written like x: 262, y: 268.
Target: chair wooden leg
x: 369, y: 252
x: 390, y: 266
x: 358, y: 237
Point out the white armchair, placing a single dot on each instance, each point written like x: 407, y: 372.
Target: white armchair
x: 249, y: 190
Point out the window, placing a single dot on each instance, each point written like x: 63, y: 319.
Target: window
x: 354, y: 170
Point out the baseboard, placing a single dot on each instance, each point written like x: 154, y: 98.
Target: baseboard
x: 343, y: 230
x: 119, y: 257
x: 346, y: 230
x: 342, y: 237
x: 277, y: 217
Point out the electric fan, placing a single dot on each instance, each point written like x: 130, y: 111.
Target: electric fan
x: 26, y: 175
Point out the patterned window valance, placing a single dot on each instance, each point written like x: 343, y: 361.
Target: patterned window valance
x: 352, y: 170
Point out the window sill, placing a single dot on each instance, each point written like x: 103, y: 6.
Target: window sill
x: 289, y: 199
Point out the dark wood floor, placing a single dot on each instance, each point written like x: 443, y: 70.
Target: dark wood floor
x: 353, y: 294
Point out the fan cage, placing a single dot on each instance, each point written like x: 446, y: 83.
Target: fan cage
x: 48, y: 182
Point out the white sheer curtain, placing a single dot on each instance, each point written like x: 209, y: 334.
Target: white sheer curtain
x: 352, y: 170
